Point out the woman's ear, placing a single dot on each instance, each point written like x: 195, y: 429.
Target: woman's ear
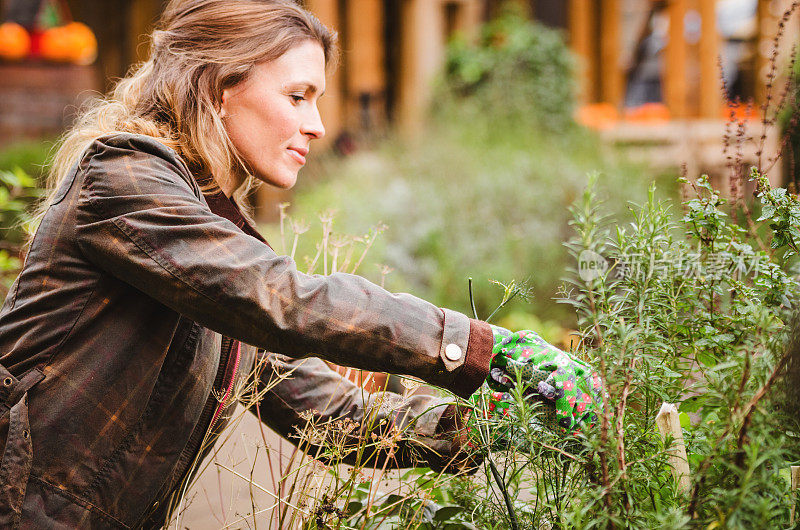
x: 223, y: 111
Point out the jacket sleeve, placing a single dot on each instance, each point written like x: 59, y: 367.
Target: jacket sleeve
x: 312, y: 405
x: 141, y: 218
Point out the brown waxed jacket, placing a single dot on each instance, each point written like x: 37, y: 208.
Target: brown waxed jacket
x: 123, y: 330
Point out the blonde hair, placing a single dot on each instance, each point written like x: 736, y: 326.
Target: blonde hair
x: 200, y: 48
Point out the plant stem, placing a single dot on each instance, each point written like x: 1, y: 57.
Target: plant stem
x: 501, y: 306
x: 472, y: 300
x: 502, y: 486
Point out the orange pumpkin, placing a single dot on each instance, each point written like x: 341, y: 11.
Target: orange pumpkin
x: 73, y: 43
x: 597, y: 116
x: 53, y: 44
x: 15, y: 43
x: 83, y: 44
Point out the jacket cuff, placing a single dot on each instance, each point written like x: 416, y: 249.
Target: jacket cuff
x: 476, y: 361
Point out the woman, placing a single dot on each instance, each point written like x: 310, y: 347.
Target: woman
x: 144, y: 287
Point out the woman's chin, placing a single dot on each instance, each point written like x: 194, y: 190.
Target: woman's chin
x: 283, y: 182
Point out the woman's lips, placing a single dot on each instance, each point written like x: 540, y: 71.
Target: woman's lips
x: 299, y: 155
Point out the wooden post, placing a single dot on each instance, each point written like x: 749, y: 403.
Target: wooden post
x: 365, y: 46
x: 710, y: 86
x: 366, y: 77
x: 795, y: 472
x: 468, y: 17
x: 421, y: 54
x: 767, y: 25
x: 669, y: 424
x: 582, y: 36
x: 768, y: 14
x: 143, y: 15
x: 674, y: 75
x: 611, y: 77
x: 330, y: 106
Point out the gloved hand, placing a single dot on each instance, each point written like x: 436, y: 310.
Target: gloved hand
x: 567, y: 384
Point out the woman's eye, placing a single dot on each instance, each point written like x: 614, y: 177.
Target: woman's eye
x: 297, y: 98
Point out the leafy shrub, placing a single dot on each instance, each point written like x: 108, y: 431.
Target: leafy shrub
x: 29, y: 155
x: 518, y: 70
x: 21, y: 172
x: 693, y: 313
x: 18, y: 192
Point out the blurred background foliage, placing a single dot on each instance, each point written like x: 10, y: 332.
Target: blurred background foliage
x: 22, y: 170
x: 483, y: 190
x: 19, y: 192
x: 515, y: 65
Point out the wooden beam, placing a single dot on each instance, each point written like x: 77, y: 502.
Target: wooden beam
x: 468, y: 17
x: 710, y: 85
x: 365, y: 52
x: 794, y: 471
x: 674, y: 74
x: 611, y: 75
x: 768, y: 15
x: 582, y: 37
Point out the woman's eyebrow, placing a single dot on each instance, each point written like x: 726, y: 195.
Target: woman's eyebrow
x: 308, y: 86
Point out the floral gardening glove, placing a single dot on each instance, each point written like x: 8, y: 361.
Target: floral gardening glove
x: 551, y: 375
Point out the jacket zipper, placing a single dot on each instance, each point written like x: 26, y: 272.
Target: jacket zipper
x: 229, y: 389
x: 213, y: 407
x: 211, y: 411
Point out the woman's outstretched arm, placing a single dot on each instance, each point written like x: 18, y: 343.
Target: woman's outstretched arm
x: 142, y: 218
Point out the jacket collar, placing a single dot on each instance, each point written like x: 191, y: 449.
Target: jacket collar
x: 226, y: 207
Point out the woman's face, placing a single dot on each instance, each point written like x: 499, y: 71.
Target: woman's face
x: 272, y: 116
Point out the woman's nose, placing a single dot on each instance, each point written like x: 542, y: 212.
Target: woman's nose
x: 312, y: 126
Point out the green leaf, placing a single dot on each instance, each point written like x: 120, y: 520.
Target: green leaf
x: 706, y: 359
x: 766, y: 212
x: 447, y: 512
x: 393, y: 499
x: 353, y: 507
x: 692, y: 404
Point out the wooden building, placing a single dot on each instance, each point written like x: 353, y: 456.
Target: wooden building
x: 690, y: 76
x: 391, y: 49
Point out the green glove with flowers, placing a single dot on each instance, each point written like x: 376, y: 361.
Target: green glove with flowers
x: 550, y: 375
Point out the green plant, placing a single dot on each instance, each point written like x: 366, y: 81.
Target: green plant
x: 690, y: 312
x: 21, y: 170
x: 18, y: 193
x: 698, y: 321
x: 517, y: 71
x: 28, y: 155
